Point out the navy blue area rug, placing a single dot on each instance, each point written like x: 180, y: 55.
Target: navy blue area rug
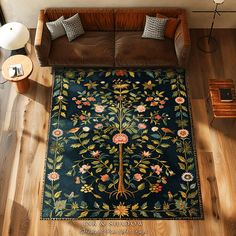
x: 121, y: 146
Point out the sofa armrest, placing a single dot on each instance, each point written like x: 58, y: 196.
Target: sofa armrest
x: 42, y: 40
x: 182, y: 41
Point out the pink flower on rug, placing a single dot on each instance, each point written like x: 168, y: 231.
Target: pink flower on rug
x: 120, y: 138
x: 141, y: 108
x: 99, y: 108
x: 179, y: 100
x: 91, y: 99
x: 146, y: 154
x: 98, y: 126
x: 157, y: 169
x: 86, y: 103
x: 138, y: 177
x: 164, y: 180
x: 77, y: 180
x: 142, y: 126
x: 153, y: 104
x: 95, y: 153
x: 149, y: 99
x: 78, y: 102
x: 183, y: 133
x: 53, y: 176
x: 120, y: 72
x: 84, y: 168
x: 57, y: 133
x: 82, y: 117
x: 105, y: 177
x: 158, y: 117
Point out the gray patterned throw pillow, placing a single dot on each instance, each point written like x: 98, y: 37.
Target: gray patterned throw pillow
x: 73, y: 27
x: 56, y: 28
x: 154, y: 28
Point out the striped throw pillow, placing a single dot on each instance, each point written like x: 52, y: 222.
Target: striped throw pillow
x: 73, y: 27
x: 154, y: 28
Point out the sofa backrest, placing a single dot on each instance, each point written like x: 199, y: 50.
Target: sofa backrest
x: 92, y: 19
x: 133, y: 19
x: 109, y: 19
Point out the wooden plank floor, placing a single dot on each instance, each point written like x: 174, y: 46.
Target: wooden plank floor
x: 23, y: 134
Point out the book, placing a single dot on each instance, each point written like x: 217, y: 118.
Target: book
x: 15, y: 70
x: 226, y: 95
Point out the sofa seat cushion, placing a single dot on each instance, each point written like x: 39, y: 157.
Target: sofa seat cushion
x: 133, y: 50
x: 91, y: 49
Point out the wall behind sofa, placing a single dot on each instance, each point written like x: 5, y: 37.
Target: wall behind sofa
x: 26, y: 11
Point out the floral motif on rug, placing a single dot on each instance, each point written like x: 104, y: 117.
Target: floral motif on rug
x: 121, y: 147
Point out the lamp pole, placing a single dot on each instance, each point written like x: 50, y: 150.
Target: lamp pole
x: 213, y: 21
x: 208, y: 43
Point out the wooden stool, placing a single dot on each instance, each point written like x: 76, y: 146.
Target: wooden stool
x: 221, y: 109
x: 21, y: 82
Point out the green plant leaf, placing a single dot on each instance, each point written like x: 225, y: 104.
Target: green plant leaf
x: 90, y: 147
x: 59, y: 158
x: 96, y: 205
x: 145, y: 195
x: 57, y: 194
x: 84, y: 135
x: 182, y: 159
x: 75, y: 145
x: 47, y: 194
x: 50, y: 166
x: 58, y: 166
x: 169, y: 213
x: 150, y: 146
x: 85, y: 142
x: 105, y: 206
x: 181, y: 165
x: 144, y: 206
x: 165, y: 145
x: 83, y: 151
x: 83, y: 214
x: 183, y: 194
x: 135, y: 207
x: 101, y: 187
x: 70, y: 213
x: 96, y: 137
x: 97, y: 196
x: 141, y: 186
x: 142, y: 170
x: 193, y: 194
x: 132, y: 74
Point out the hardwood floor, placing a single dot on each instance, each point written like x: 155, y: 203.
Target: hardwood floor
x: 23, y: 135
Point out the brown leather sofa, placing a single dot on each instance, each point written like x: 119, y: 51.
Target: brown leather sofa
x: 112, y: 39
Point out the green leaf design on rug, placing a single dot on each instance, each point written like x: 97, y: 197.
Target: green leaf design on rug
x: 120, y: 146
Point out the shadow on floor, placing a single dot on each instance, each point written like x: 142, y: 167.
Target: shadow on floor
x: 38, y: 92
x: 19, y: 222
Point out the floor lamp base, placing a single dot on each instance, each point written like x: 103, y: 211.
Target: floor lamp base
x: 207, y: 44
x: 20, y: 51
